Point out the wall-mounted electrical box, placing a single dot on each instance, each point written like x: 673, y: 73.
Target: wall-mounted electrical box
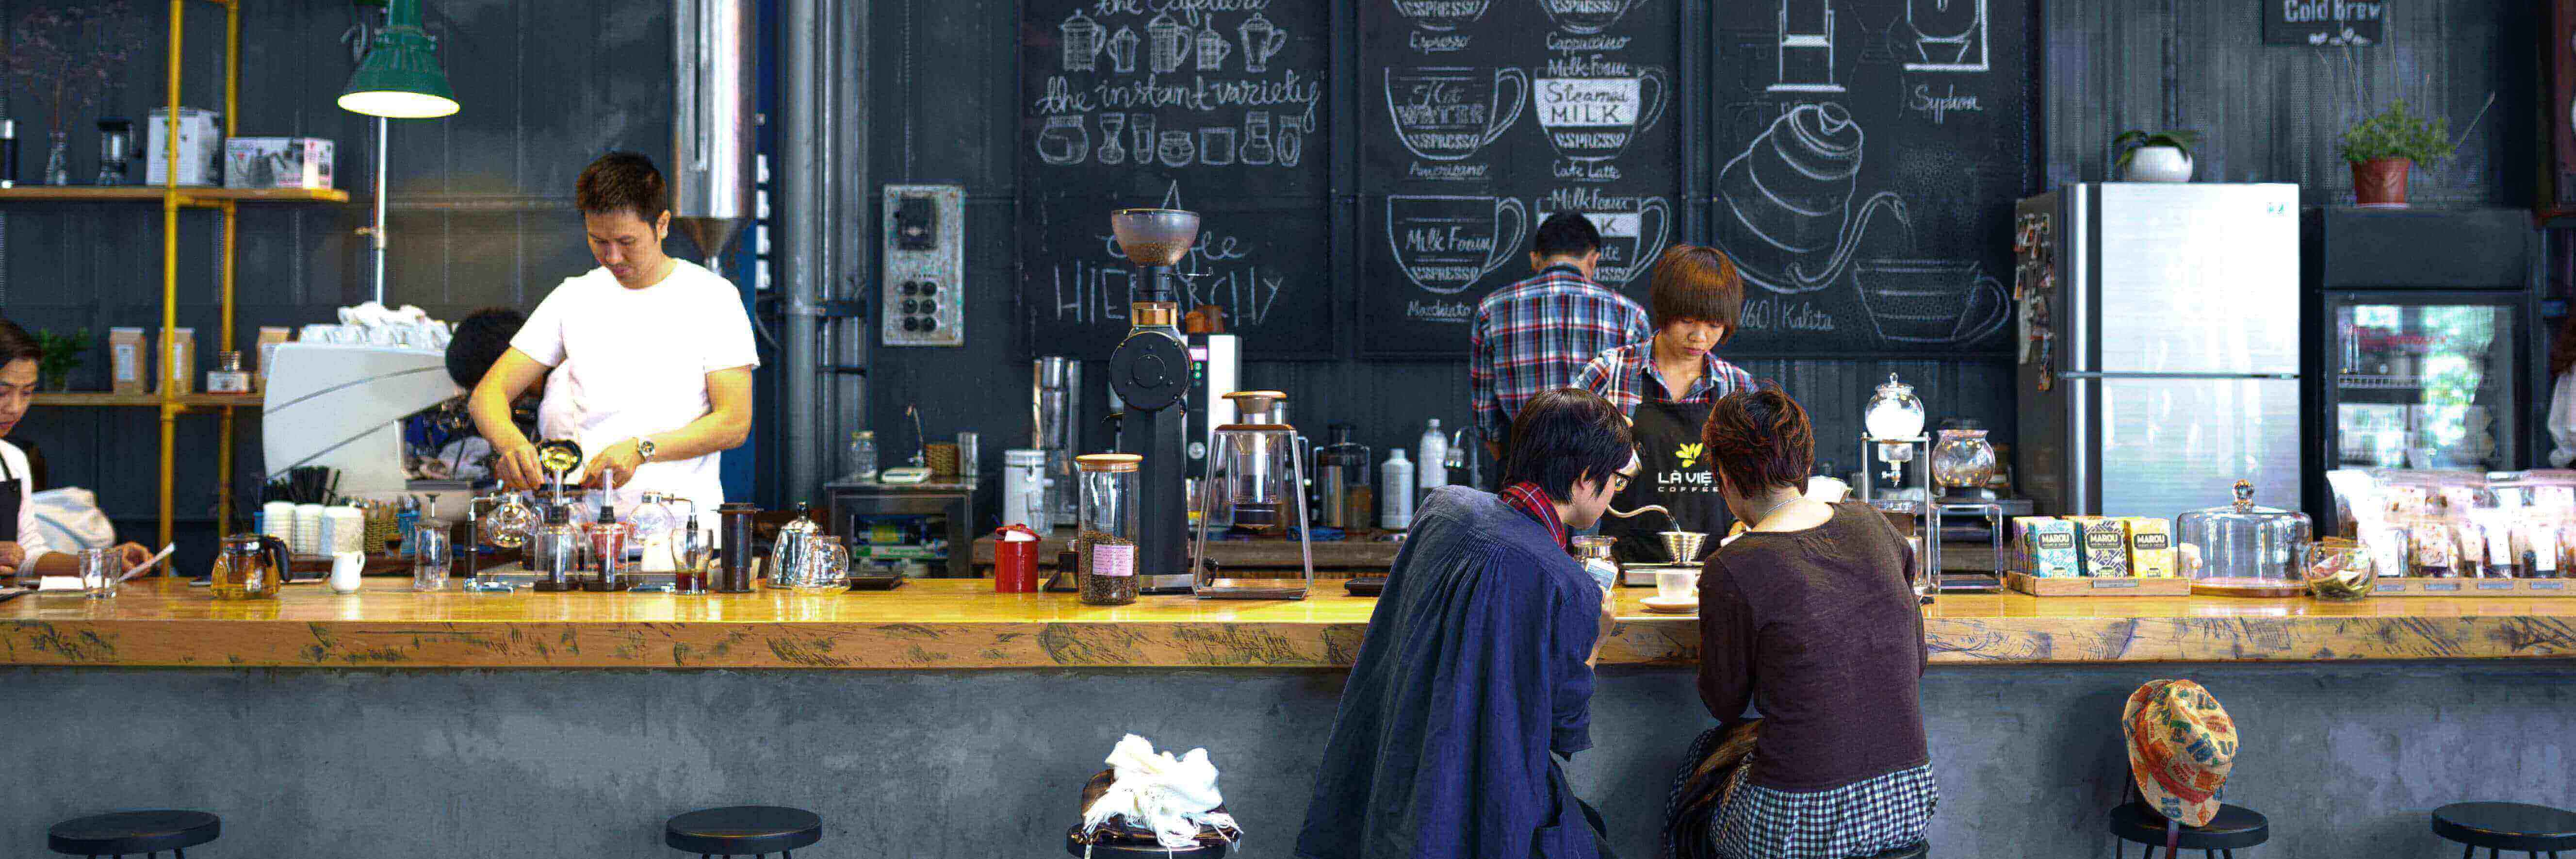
x: 923, y: 294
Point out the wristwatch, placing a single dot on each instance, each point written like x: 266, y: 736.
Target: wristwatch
x: 644, y: 449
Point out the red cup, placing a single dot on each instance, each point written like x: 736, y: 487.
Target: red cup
x: 1015, y: 562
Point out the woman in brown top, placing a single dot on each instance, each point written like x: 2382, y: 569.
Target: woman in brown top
x: 1808, y: 617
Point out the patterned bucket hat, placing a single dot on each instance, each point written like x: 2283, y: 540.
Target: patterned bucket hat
x: 2181, y: 745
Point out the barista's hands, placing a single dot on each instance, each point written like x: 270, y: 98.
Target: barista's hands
x: 614, y: 466
x: 130, y: 555
x: 12, y: 555
x: 516, y: 465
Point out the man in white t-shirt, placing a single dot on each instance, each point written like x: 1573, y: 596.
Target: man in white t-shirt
x: 655, y: 355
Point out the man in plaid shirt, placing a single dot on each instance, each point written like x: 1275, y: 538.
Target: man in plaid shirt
x: 1535, y: 335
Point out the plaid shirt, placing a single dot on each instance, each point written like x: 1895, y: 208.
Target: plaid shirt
x: 1625, y: 376
x: 1527, y: 498
x: 1533, y: 336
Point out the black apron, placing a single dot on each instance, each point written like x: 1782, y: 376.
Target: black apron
x: 1673, y: 471
x: 11, y: 489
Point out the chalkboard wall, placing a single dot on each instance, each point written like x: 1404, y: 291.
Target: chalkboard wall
x: 1855, y: 157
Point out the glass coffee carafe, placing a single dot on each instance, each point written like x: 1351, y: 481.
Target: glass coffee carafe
x: 1254, y: 482
x: 250, y: 567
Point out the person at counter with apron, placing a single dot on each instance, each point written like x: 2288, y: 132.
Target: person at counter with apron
x: 23, y: 549
x: 1666, y: 384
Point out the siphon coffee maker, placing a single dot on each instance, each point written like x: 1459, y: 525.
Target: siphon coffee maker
x: 1253, y: 480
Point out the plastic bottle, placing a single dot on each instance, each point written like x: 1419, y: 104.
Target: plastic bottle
x: 1398, y: 496
x: 1431, y: 459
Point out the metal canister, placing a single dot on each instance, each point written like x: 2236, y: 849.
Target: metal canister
x: 736, y: 572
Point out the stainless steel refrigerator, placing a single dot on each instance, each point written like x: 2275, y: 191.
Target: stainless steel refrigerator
x: 2160, y: 347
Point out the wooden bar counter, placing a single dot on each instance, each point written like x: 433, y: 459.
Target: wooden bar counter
x: 953, y: 624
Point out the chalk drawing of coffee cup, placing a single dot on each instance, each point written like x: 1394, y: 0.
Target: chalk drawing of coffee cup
x: 1445, y: 244
x: 1630, y: 241
x: 1446, y: 113
x: 1593, y: 118
x: 1788, y: 219
x: 1442, y: 15
x: 1176, y: 149
x: 1931, y: 300
x: 1587, y: 16
x: 1261, y: 39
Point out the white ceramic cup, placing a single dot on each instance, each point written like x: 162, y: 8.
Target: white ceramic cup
x: 345, y: 567
x: 1674, y: 585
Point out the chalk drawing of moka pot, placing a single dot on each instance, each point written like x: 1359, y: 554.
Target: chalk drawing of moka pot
x: 1790, y: 224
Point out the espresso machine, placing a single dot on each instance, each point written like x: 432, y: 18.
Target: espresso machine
x: 1151, y: 373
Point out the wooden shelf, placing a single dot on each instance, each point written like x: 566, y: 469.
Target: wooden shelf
x: 148, y: 193
x: 94, y: 398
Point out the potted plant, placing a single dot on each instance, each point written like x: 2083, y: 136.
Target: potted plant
x: 2384, y: 148
x: 62, y: 356
x: 2161, y: 156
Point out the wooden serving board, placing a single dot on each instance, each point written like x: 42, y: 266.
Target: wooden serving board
x: 2088, y: 586
x: 2414, y: 587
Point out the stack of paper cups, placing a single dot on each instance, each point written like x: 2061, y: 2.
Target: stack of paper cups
x: 277, y: 519
x: 307, y: 539
x: 344, y: 529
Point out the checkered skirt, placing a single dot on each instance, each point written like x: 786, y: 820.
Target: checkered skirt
x: 1859, y: 819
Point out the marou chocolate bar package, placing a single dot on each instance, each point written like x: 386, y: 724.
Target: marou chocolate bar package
x: 2151, y: 552
x: 2047, y: 546
x: 2106, y: 546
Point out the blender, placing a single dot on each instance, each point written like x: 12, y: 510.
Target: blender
x: 1150, y: 372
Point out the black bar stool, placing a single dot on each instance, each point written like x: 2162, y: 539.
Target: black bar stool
x: 1073, y: 844
x: 2534, y: 830
x: 144, y: 833
x: 2233, y: 827
x: 743, y: 830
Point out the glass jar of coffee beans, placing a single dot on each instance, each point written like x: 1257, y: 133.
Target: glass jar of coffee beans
x: 1105, y: 547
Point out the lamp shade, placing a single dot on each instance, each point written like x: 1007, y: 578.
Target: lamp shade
x: 400, y: 78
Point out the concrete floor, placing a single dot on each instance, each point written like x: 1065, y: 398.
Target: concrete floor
x: 2346, y: 758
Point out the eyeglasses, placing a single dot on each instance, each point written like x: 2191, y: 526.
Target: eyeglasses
x: 1619, y: 482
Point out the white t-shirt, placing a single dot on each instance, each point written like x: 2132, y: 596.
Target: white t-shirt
x: 30, y: 538
x: 634, y: 362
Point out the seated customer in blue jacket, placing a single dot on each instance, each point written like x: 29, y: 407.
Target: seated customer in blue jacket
x: 1477, y: 666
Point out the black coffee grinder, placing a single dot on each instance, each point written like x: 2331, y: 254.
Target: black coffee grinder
x: 1151, y: 372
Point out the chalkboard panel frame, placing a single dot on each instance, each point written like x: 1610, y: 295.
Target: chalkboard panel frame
x: 1414, y: 208
x: 2015, y: 49
x: 1317, y: 338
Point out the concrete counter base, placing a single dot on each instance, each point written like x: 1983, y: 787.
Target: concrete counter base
x: 2345, y: 757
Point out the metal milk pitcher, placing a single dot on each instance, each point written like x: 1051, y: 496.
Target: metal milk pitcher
x: 790, y: 554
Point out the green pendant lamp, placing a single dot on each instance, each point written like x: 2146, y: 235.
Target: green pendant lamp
x: 400, y: 79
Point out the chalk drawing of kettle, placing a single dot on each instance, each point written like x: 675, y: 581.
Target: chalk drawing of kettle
x: 1791, y: 225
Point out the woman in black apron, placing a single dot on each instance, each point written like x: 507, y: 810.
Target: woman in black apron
x: 22, y: 550
x: 1666, y: 385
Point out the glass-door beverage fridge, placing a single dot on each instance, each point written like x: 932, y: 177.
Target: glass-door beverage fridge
x: 2423, y: 343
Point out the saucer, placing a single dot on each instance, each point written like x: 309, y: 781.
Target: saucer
x: 1685, y: 605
